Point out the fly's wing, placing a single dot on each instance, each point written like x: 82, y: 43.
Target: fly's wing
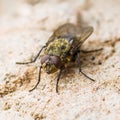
x: 71, y: 31
x: 65, y: 30
x: 83, y: 34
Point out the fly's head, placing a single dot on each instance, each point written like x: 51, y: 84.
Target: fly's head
x: 50, y: 63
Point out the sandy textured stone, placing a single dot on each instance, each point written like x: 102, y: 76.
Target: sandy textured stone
x: 25, y: 26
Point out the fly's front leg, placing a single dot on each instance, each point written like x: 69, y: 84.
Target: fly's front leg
x: 33, y: 59
x: 39, y: 76
x: 58, y: 78
x: 80, y: 70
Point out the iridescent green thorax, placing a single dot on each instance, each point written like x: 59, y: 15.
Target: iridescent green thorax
x: 59, y: 47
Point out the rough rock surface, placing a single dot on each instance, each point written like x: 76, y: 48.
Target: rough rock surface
x: 25, y: 26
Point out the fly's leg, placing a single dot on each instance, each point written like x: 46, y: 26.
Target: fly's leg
x: 39, y: 76
x: 80, y: 70
x: 33, y: 59
x: 97, y: 50
x: 59, y: 75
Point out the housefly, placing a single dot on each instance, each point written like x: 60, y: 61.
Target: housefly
x: 63, y: 47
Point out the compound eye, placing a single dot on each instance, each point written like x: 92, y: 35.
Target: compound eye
x: 44, y: 58
x: 56, y: 61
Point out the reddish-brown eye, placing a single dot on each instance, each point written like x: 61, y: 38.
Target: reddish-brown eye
x: 44, y: 58
x: 56, y: 61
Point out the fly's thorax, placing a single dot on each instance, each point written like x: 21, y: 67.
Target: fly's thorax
x: 50, y: 64
x: 59, y: 47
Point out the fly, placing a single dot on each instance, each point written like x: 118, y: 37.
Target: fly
x: 63, y: 47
